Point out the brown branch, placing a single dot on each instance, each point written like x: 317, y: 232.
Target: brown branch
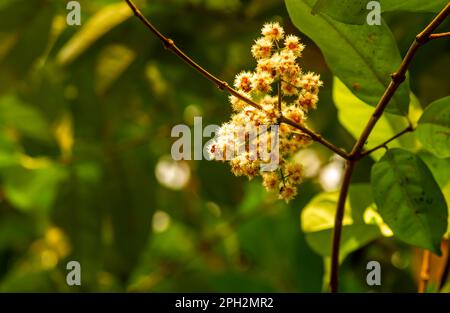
x: 397, y: 79
x: 439, y: 35
x: 280, y: 97
x: 424, y: 271
x: 410, y: 128
x: 337, y: 230
x: 315, y: 137
x: 222, y: 85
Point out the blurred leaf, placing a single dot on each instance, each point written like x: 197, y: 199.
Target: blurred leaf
x: 14, y: 12
x: 31, y: 37
x: 98, y: 25
x: 371, y: 54
x: 28, y: 280
x: 353, y: 237
x: 22, y: 117
x: 409, y: 199
x: 113, y: 61
x: 354, y: 114
x: 317, y: 220
x: 319, y: 213
x: 16, y: 231
x: 434, y: 128
x: 32, y: 189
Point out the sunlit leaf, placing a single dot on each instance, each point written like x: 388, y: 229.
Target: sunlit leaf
x: 98, y: 25
x: 434, y: 128
x: 317, y: 220
x: 354, y: 114
x: 112, y: 62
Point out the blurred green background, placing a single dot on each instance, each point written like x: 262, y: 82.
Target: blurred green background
x: 86, y: 114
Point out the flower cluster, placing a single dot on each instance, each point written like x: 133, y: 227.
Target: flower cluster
x: 279, y: 85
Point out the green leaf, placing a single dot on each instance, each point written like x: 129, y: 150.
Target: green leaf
x: 409, y: 200
x: 413, y: 5
x: 355, y: 11
x: 346, y: 11
x: 32, y: 189
x: 438, y: 167
x: 23, y: 118
x: 362, y: 56
x: 354, y: 114
x: 317, y: 220
x: 441, y: 173
x: 434, y: 128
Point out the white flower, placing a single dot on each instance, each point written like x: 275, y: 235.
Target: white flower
x: 262, y: 48
x: 273, y: 31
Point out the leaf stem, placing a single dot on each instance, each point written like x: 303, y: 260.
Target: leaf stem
x: 424, y: 271
x: 446, y: 270
x: 222, y: 85
x: 397, y: 79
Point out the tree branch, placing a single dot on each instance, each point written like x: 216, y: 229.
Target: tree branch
x: 440, y: 35
x: 397, y: 79
x: 410, y: 128
x: 337, y: 230
x: 222, y: 85
x: 315, y: 137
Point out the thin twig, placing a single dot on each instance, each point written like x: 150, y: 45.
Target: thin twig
x: 440, y: 35
x: 446, y: 271
x: 222, y: 85
x: 315, y: 137
x: 280, y: 97
x: 397, y: 79
x: 424, y: 271
x: 410, y: 128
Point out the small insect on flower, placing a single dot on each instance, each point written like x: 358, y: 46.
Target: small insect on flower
x: 248, y: 130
